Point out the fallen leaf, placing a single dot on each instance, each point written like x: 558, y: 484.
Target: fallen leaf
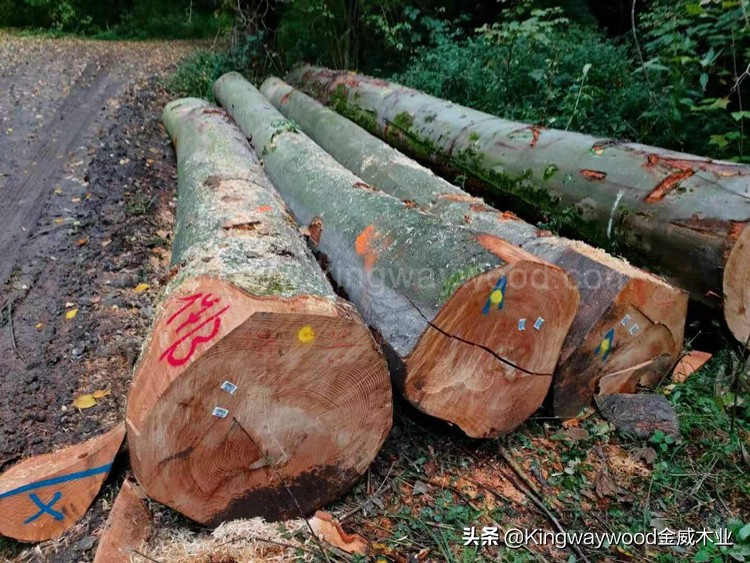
x: 100, y: 394
x: 59, y: 220
x: 75, y: 200
x: 419, y: 488
x: 688, y: 364
x: 575, y: 434
x: 84, y: 402
x: 71, y: 314
x: 141, y: 287
x: 39, y: 326
x: 604, y: 484
x: 82, y: 241
x: 329, y: 530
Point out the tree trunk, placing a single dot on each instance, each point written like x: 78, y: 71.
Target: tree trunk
x: 683, y: 216
x: 259, y: 392
x: 446, y: 304
x: 43, y: 496
x: 647, y: 315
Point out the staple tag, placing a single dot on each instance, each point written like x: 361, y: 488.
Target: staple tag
x: 521, y: 324
x: 229, y: 387
x: 220, y: 412
x: 538, y: 324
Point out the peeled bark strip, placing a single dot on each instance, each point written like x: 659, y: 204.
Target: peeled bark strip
x: 128, y: 527
x: 474, y: 327
x: 259, y: 391
x: 681, y: 215
x: 646, y: 315
x: 43, y: 496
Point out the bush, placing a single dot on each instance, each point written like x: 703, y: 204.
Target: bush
x: 195, y: 75
x: 542, y: 69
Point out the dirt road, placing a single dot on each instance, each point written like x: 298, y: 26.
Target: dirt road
x: 86, y: 180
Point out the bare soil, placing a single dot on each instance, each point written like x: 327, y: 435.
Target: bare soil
x: 87, y: 180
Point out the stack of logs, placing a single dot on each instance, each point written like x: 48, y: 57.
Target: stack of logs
x: 261, y: 392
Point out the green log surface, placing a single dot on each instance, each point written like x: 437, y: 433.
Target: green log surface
x: 677, y: 214
x: 211, y: 233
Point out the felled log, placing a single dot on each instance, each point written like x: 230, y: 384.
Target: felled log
x: 473, y: 326
x: 128, y: 527
x: 259, y: 392
x: 683, y: 216
x: 645, y: 315
x: 43, y: 496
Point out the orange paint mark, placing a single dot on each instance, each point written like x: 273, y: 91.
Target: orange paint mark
x: 594, y: 175
x: 264, y: 209
x: 285, y: 98
x: 364, y: 246
x: 508, y: 216
x: 535, y: 132
x: 667, y: 185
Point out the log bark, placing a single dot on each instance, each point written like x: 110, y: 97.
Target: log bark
x: 647, y: 315
x: 45, y: 495
x: 446, y: 304
x: 680, y: 215
x: 128, y: 527
x: 259, y: 392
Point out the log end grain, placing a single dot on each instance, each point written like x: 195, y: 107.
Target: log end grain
x: 43, y: 496
x: 737, y: 287
x: 486, y: 361
x: 280, y: 404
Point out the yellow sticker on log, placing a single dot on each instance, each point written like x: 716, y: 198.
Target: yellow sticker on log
x: 306, y: 334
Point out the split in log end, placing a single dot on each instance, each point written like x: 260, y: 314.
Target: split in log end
x: 486, y: 361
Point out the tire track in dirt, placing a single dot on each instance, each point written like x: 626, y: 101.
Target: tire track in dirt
x: 25, y: 197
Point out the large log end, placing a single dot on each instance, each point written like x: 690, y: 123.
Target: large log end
x: 280, y: 404
x: 486, y: 362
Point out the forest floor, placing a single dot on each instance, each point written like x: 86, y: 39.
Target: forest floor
x: 88, y: 179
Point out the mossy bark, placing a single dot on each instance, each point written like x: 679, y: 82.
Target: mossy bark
x: 606, y: 284
x: 259, y: 392
x: 415, y: 279
x: 678, y: 214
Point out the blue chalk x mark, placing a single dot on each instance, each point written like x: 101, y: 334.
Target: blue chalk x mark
x: 605, y: 346
x: 45, y: 508
x: 496, y: 297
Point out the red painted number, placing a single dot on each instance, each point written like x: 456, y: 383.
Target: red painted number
x: 197, y: 321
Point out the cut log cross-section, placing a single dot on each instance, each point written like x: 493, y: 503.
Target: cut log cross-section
x: 473, y: 328
x: 259, y: 391
x: 682, y: 216
x: 43, y: 496
x: 629, y: 323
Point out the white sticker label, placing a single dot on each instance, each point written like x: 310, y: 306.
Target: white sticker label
x: 633, y: 329
x: 539, y: 322
x: 625, y: 320
x: 220, y: 412
x: 229, y: 387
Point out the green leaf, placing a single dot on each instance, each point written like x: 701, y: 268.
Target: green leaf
x: 744, y: 532
x: 737, y: 115
x: 694, y: 9
x: 704, y: 81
